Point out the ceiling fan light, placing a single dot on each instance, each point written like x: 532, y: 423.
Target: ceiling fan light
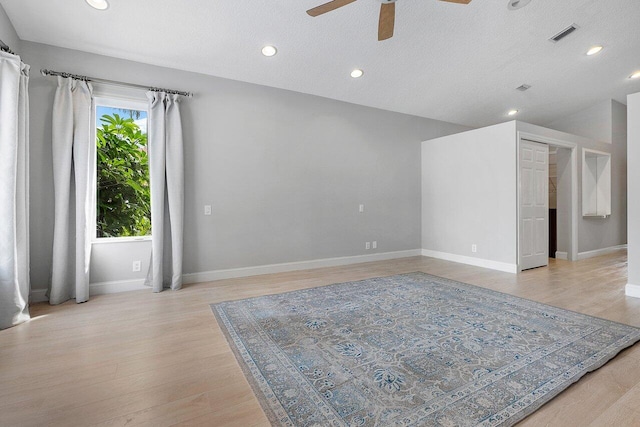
x: 635, y: 75
x: 357, y: 73
x: 98, y: 4
x: 269, y: 50
x: 594, y: 50
x: 512, y: 112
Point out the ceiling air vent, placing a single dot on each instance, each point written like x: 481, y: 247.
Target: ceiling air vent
x: 523, y: 88
x: 564, y: 33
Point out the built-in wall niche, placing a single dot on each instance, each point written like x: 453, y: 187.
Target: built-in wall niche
x: 596, y: 184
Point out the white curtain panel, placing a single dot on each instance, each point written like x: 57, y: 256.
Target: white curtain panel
x: 166, y: 174
x: 14, y: 191
x: 74, y: 181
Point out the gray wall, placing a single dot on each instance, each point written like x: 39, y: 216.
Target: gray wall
x: 606, y: 123
x: 8, y: 33
x: 633, y: 103
x: 594, y: 122
x: 284, y: 172
x: 469, y: 194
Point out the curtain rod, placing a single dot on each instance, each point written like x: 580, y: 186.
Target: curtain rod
x: 5, y: 48
x: 113, y: 82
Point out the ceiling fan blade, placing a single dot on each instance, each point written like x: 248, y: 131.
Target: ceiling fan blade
x: 387, y: 21
x: 458, y: 1
x: 328, y: 7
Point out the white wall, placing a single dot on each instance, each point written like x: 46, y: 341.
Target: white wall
x: 8, y: 33
x: 633, y: 109
x: 284, y: 172
x: 606, y: 123
x: 469, y: 196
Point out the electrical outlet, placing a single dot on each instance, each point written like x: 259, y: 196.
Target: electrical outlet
x: 361, y: 208
x: 207, y: 209
x: 367, y: 245
x: 474, y: 248
x: 136, y: 265
x: 374, y: 244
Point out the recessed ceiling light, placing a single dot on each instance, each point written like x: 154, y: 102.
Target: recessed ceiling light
x: 269, y: 50
x: 357, y: 73
x: 512, y: 112
x: 594, y: 50
x: 635, y: 75
x: 517, y: 4
x: 98, y: 4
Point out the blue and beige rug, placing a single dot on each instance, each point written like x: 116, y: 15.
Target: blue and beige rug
x: 411, y: 350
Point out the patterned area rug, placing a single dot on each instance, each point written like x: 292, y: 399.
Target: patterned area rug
x: 411, y: 350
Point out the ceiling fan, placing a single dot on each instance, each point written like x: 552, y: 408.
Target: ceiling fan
x: 387, y: 13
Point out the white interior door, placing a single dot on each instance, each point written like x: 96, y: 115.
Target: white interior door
x: 534, y: 205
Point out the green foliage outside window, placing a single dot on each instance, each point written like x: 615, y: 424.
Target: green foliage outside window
x: 124, y: 200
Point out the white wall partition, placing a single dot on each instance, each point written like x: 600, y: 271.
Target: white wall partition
x: 633, y: 105
x: 469, y: 203
x: 470, y: 193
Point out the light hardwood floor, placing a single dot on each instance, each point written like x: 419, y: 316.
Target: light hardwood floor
x: 139, y: 358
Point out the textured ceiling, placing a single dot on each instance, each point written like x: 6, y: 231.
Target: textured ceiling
x: 446, y: 61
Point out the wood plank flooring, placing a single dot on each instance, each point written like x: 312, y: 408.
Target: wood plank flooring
x: 139, y: 358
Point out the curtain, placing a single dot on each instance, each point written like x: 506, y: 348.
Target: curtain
x: 14, y: 191
x: 166, y: 175
x: 74, y: 182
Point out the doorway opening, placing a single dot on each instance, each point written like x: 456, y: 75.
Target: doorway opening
x: 553, y: 201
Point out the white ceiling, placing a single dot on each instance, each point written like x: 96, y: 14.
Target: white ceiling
x: 459, y: 63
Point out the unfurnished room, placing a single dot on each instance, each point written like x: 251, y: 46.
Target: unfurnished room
x: 320, y: 213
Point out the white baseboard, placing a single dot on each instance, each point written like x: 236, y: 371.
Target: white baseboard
x: 102, y: 288
x: 598, y: 252
x: 478, y: 262
x: 208, y: 276
x: 632, y: 290
x: 562, y: 255
x: 38, y: 295
x: 99, y: 288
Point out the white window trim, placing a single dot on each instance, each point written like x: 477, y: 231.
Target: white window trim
x: 114, y: 101
x: 127, y: 239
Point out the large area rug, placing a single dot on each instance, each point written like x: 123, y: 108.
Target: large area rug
x: 411, y: 350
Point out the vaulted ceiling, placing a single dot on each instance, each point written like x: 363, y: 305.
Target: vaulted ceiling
x: 447, y: 61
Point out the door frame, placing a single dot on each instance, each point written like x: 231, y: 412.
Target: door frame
x: 572, y: 244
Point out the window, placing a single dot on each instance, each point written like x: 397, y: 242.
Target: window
x: 123, y: 207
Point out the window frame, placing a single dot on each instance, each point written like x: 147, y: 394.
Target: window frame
x: 112, y: 101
